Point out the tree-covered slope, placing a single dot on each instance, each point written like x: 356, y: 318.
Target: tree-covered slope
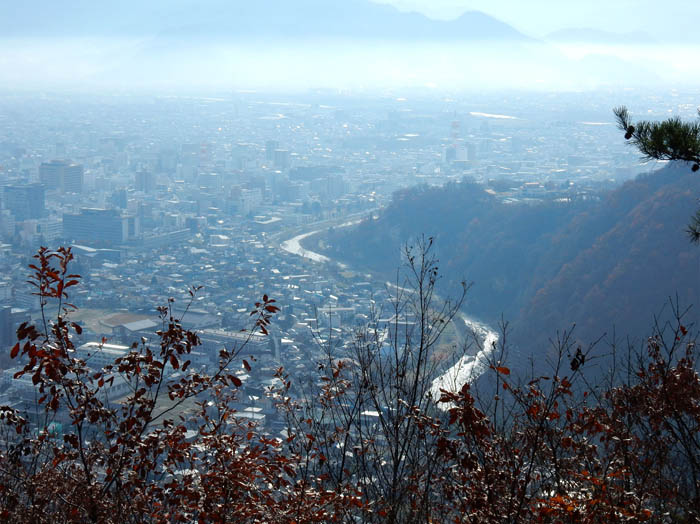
x: 636, y: 262
x: 598, y: 263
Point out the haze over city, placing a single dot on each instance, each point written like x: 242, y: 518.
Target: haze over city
x: 300, y: 45
x: 312, y: 261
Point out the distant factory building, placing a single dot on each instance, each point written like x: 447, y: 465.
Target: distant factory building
x: 103, y: 227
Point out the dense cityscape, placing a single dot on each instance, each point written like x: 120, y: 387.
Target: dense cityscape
x: 155, y: 194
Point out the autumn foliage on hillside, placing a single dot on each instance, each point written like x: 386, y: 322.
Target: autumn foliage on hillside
x: 612, y: 257
x: 553, y: 448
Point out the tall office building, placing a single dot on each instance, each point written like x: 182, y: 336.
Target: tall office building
x: 5, y: 291
x: 7, y: 224
x: 270, y: 147
x: 145, y: 181
x: 51, y: 173
x: 119, y: 198
x: 50, y: 229
x: 281, y: 159
x: 73, y: 178
x: 25, y: 201
x: 63, y: 175
x: 6, y: 335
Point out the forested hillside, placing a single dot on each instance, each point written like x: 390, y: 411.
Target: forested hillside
x: 604, y: 263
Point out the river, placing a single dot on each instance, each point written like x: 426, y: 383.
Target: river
x: 469, y: 367
x: 293, y: 245
x: 466, y: 369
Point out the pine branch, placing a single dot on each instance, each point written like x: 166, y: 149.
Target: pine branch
x: 670, y: 139
x: 694, y: 228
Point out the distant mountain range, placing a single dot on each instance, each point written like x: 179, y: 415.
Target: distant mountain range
x: 220, y: 19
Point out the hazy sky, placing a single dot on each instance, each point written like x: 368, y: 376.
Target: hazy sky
x: 539, y: 17
x: 126, y: 62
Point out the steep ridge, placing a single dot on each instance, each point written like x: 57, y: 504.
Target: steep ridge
x: 637, y: 257
x: 611, y: 263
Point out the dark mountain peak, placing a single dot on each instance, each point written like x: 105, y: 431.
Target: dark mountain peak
x: 479, y: 25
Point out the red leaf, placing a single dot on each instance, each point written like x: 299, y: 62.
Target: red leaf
x: 236, y: 381
x: 15, y: 350
x: 174, y: 362
x: 503, y: 370
x: 246, y: 365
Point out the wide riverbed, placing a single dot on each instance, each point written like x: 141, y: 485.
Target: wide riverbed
x: 469, y: 367
x: 293, y: 245
x: 466, y: 369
